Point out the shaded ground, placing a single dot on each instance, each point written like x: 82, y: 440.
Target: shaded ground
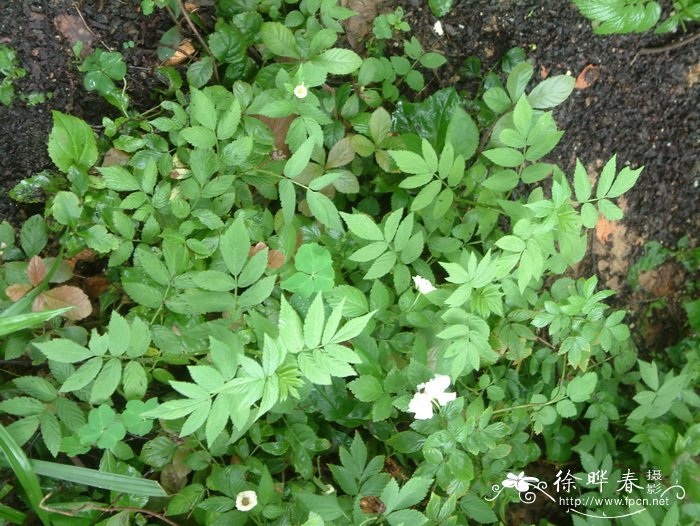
x: 33, y: 29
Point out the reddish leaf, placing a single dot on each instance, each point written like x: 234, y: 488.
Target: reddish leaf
x: 275, y: 259
x: 17, y: 291
x: 280, y: 127
x: 95, y: 285
x: 68, y: 296
x: 36, y: 270
x: 258, y: 247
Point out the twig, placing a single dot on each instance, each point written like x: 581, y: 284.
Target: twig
x: 668, y: 47
x: 197, y: 35
x: 106, y: 509
x: 77, y: 9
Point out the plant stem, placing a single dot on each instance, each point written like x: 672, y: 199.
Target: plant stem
x: 198, y: 36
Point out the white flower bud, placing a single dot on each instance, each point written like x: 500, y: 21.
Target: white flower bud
x: 423, y: 285
x: 246, y: 500
x: 300, y: 91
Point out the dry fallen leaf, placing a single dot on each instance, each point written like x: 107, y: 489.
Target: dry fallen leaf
x: 280, y: 127
x: 184, y: 51
x: 74, y: 30
x: 589, y: 75
x: 604, y: 229
x: 115, y: 157
x: 357, y: 27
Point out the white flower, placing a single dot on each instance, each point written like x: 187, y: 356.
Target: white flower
x: 519, y: 482
x: 423, y: 285
x: 432, y: 391
x: 437, y: 27
x: 300, y: 91
x: 246, y: 500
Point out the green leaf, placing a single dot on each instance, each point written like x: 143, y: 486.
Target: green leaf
x: 518, y: 78
x: 279, y: 39
x: 118, y: 178
x: 551, y: 92
x: 50, y: 432
x: 366, y: 388
x: 100, y: 240
x: 497, y: 99
x: 199, y: 72
x: 477, y: 509
x: 610, y: 210
x: 581, y: 388
x: 199, y: 136
x: 379, y: 125
x: 19, y: 322
x: 507, y: 157
x: 202, y: 109
x: 382, y: 266
x: 403, y: 517
x: 606, y: 177
x: 426, y: 196
x: 235, y: 246
x: 235, y: 153
x: 324, y: 210
x: 433, y: 60
x: 67, y: 209
x: 409, y: 495
x: 625, y: 180
x: 85, y: 374
x: 351, y: 329
x: 339, y: 61
x: 314, y: 323
x: 33, y: 236
x: 24, y: 472
x: 589, y: 215
x: 299, y: 159
x: 362, y: 226
x: 462, y: 133
x: 134, y: 381
x: 64, y: 351
x: 106, y: 382
x: 290, y: 328
x: 71, y: 143
x: 566, y: 408
x: 522, y: 116
x: 288, y: 199
x: 258, y: 293
x: 215, y: 280
x: 229, y: 121
x: 582, y: 185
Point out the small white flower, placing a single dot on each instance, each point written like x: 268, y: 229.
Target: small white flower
x: 432, y: 391
x: 423, y: 285
x: 300, y: 91
x: 437, y: 27
x: 519, y: 482
x: 246, y: 500
x: 422, y: 405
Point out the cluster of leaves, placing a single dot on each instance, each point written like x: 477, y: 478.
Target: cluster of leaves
x: 10, y: 71
x: 258, y: 323
x: 638, y: 16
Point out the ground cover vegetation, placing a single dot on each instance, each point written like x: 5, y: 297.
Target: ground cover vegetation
x: 326, y: 297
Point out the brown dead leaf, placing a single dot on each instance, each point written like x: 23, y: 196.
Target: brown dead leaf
x: 604, y: 229
x: 115, y: 157
x: 17, y: 291
x: 588, y: 76
x: 544, y: 72
x: 95, y: 285
x: 74, y: 30
x: 280, y: 127
x: 68, y: 296
x: 358, y: 26
x: 184, y: 51
x: 258, y: 247
x: 36, y: 270
x: 693, y: 75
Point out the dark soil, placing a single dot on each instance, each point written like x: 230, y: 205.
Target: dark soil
x: 31, y: 28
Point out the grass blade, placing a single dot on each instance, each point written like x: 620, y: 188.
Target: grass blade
x: 99, y: 479
x: 19, y: 322
x: 25, y: 474
x: 12, y: 515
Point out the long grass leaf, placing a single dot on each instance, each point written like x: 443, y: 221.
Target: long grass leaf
x: 20, y: 322
x: 99, y: 479
x: 25, y: 474
x: 12, y: 515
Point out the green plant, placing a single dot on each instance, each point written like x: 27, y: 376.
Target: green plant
x: 102, y: 69
x: 385, y: 25
x: 10, y: 71
x: 440, y: 7
x: 626, y: 16
x: 328, y: 304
